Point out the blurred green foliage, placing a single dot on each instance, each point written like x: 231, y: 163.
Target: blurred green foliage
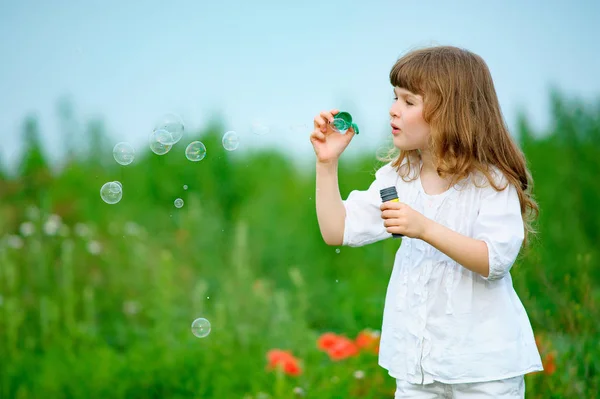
x: 98, y: 301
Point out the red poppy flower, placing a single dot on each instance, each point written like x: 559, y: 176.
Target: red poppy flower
x: 336, y: 346
x: 549, y: 363
x: 327, y: 341
x: 343, y: 349
x: 285, y: 360
x: 368, y: 340
x: 539, y: 343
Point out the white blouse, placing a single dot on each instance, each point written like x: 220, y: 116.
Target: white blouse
x: 442, y: 321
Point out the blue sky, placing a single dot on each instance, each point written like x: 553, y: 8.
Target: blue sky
x: 278, y: 61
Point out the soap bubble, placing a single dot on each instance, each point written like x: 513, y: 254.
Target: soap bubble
x: 300, y: 128
x: 111, y: 192
x: 201, y: 327
x: 169, y: 129
x: 185, y: 187
x: 178, y: 203
x: 231, y: 141
x: 195, y: 151
x: 337, y: 251
x: 124, y: 153
x: 157, y: 147
x: 260, y: 128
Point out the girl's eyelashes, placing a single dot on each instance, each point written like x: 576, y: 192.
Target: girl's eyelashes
x: 407, y: 102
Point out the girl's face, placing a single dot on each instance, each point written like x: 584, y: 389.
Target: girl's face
x: 409, y: 129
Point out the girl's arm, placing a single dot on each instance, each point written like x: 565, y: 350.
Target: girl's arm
x: 331, y: 212
x: 469, y: 252
x: 497, y: 233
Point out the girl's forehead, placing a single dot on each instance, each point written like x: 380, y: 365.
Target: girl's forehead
x: 402, y: 90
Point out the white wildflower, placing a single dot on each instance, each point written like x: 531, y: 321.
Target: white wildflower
x: 131, y: 307
x: 27, y: 229
x: 359, y: 374
x: 132, y: 229
x: 14, y: 241
x: 94, y: 247
x: 52, y: 225
x: 82, y: 230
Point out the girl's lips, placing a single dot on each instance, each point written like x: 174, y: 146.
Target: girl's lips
x: 395, y: 131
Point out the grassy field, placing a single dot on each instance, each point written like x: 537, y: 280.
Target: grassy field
x: 97, y: 300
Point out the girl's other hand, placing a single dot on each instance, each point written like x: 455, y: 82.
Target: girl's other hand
x: 399, y: 218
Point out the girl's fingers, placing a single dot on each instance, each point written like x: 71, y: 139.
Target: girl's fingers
x: 320, y: 123
x: 326, y: 115
x: 318, y: 135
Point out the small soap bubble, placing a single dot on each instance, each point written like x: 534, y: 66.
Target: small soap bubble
x: 169, y: 129
x: 195, y: 151
x: 157, y: 147
x: 260, y: 128
x: 200, y: 327
x: 185, y: 187
x: 178, y: 203
x: 300, y: 128
x: 337, y: 251
x: 124, y: 153
x: 111, y: 192
x: 336, y: 281
x: 231, y: 141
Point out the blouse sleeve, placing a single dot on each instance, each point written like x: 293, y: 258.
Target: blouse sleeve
x: 500, y: 225
x: 363, y: 224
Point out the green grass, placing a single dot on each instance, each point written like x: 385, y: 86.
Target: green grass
x: 102, y: 307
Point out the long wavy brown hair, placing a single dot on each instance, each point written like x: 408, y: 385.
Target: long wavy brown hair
x: 468, y: 132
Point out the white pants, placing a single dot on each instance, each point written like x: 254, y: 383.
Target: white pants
x: 513, y: 388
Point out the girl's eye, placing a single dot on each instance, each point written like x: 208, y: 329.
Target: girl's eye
x: 409, y: 103
x: 395, y: 98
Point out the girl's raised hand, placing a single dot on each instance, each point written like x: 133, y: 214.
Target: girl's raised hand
x: 327, y: 143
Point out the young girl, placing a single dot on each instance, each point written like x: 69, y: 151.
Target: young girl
x: 453, y: 325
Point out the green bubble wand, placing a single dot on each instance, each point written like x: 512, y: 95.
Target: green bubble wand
x: 342, y: 121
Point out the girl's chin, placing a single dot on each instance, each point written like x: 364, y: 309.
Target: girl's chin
x: 400, y: 144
